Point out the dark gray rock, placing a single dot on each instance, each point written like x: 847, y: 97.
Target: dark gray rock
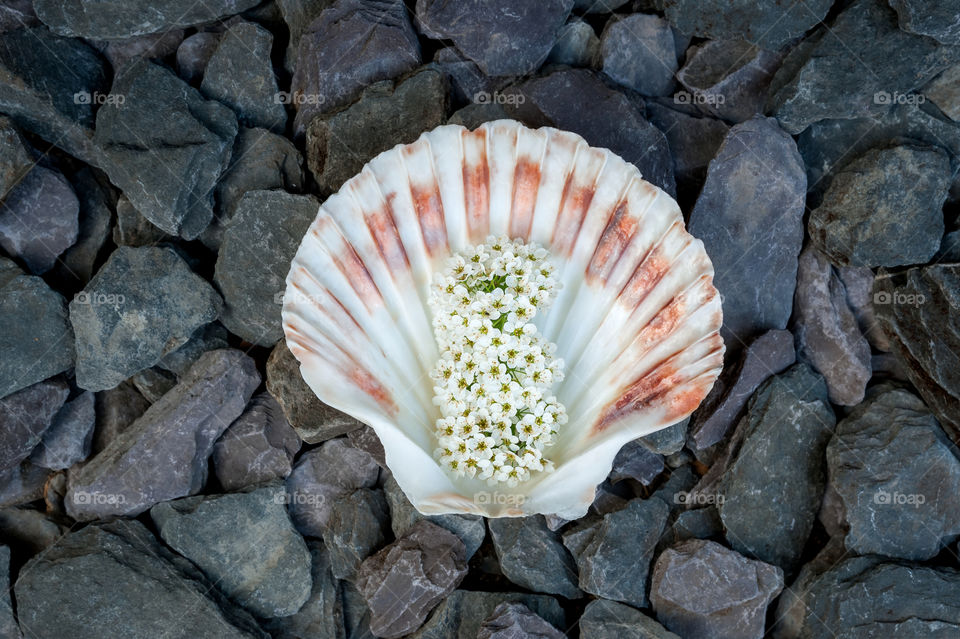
x: 142, y: 590
x: 503, y: 38
x: 164, y: 454
x: 858, y: 282
x: 667, y: 441
x: 598, y: 6
x: 384, y: 116
x: 245, y: 544
x: 884, y: 208
x: 359, y: 524
x: 165, y: 146
x: 512, y: 620
x: 917, y: 310
x: 351, y: 45
x: 119, y: 19
x: 8, y: 623
x: 461, y: 615
x: 133, y: 229
x: 693, y: 143
x: 16, y: 14
x: 258, y: 447
x: 468, y: 84
x: 26, y: 416
x: 16, y: 157
x: 866, y: 64
x: 768, y: 23
x: 613, y: 557
x: 756, y: 266
x: 298, y: 14
x: 897, y: 479
x: 702, y: 590
x: 30, y: 529
x: 532, y: 556
x: 154, y: 383
x: 365, y: 438
x: 356, y: 615
x: 604, y: 619
x: 636, y: 461
x: 147, y: 47
x: 828, y: 335
x: 577, y: 45
x: 194, y: 53
x: 313, y: 420
x: 258, y: 245
x: 322, y: 616
x: 701, y: 523
x: 23, y: 484
x: 209, y: 337
x: 116, y: 409
x: 141, y: 305
x: 403, y: 582
x: 70, y: 436
x: 240, y: 75
x: 934, y: 18
x: 36, y: 341
x: 97, y: 201
x: 773, y: 486
x: 944, y: 91
x: 638, y: 51
x: 473, y: 115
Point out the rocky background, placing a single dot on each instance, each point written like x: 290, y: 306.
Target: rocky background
x: 166, y: 473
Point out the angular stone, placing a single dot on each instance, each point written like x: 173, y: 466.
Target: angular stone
x: 194, y: 53
x: 164, y: 454
x: 858, y: 282
x: 473, y: 115
x: 533, y: 557
x: 70, y: 436
x: 884, y: 208
x: 384, y: 116
x: 934, y: 18
x: 753, y: 247
x: 298, y: 14
x: 97, y: 200
x: 403, y: 582
x: 767, y: 23
x: 313, y: 420
x: 351, y: 45
x: 693, y: 142
x: 667, y: 441
x: 944, y: 91
x: 461, y: 615
x: 512, y: 620
x: 141, y: 305
x: 165, y: 146
x: 245, y: 544
x: 16, y: 157
x: 23, y: 484
x: 240, y: 74
x: 133, y: 229
x: 702, y: 590
x: 636, y: 461
x: 16, y: 14
x: 26, y: 416
x: 358, y: 525
x: 8, y: 623
x: 322, y: 616
x: 29, y: 528
x: 503, y: 38
x: 577, y: 45
x: 147, y: 47
x: 116, y: 409
x: 638, y: 51
x: 604, y: 619
x: 468, y: 84
x: 209, y: 337
x: 365, y: 438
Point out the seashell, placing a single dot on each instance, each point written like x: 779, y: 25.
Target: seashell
x: 637, y: 320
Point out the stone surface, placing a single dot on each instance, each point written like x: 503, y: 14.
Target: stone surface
x: 8, y: 622
x: 510, y: 620
x: 693, y: 143
x: 322, y: 616
x: 755, y: 184
x: 26, y: 416
x: 461, y: 615
x: 298, y: 14
x: 22, y: 484
x: 384, y: 116
x: 70, y: 436
x: 29, y: 528
x: 403, y: 582
x: 365, y: 438
x: 16, y: 14
x: 16, y: 157
x: 239, y: 74
x: 577, y: 45
x: 934, y: 18
x: 468, y: 84
x: 638, y: 51
x: 38, y: 219
x: 133, y: 229
x: 828, y: 335
x: 209, y: 337
x: 532, y: 556
x: 245, y: 544
x: 636, y: 461
x: 944, y: 91
x: 258, y: 245
x: 884, y: 208
x: 768, y: 23
x: 359, y: 524
x: 148, y: 47
x: 257, y: 447
x: 165, y: 146
x: 97, y: 200
x: 701, y: 589
x: 502, y: 37
x: 194, y: 53
x: 141, y: 305
x: 604, y: 619
x: 667, y: 441
x: 349, y: 46
x: 116, y: 409
x: 164, y: 454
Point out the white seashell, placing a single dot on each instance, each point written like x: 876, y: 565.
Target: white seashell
x: 637, y: 320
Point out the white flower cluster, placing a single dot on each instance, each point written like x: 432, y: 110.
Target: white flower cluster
x: 493, y: 379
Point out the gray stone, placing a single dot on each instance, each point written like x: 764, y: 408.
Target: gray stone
x: 245, y: 544
x: 116, y: 409
x: 577, y: 45
x: 70, y: 436
x: 141, y: 305
x: 23, y: 484
x: 693, y: 141
x: 473, y: 115
x: 897, y: 478
x: 38, y: 219
x: 773, y: 486
x: 321, y: 477
x: 16, y: 14
x: 258, y: 245
x: 864, y: 65
x: 944, y: 91
x: 384, y: 116
x: 209, y: 337
x: 30, y: 529
x: 119, y: 19
x: 502, y: 37
x: 359, y: 524
x: 403, y: 582
x: 767, y: 23
x: 298, y: 14
x: 636, y: 461
x: 884, y: 208
x: 142, y: 590
x: 532, y: 556
x: 702, y: 523
x: 36, y: 341
x: 313, y: 420
x: 351, y: 45
x: 638, y: 52
x: 256, y: 448
x: 934, y: 18
x: 468, y: 84
x: 365, y: 438
x: 702, y: 590
x: 604, y: 619
x: 145, y: 47
x: 164, y: 454
x: 8, y: 622
x: 598, y: 6
x: 322, y: 616
x: 194, y: 53
x: 154, y: 383
x: 917, y: 310
x: 133, y: 229
x: 756, y: 186
x: 858, y: 283
x: 26, y: 416
x: 240, y: 75
x: 516, y: 621
x: 16, y: 157
x: 828, y: 335
x: 461, y: 615
x: 165, y: 146
x: 667, y: 441
x: 97, y: 201
x: 356, y: 615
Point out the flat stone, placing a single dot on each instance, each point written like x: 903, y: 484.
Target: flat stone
x: 359, y: 524
x: 701, y: 589
x: 638, y: 51
x: 269, y: 577
x: 532, y: 556
x: 133, y: 229
x: 365, y: 438
x: 934, y: 18
x: 753, y: 247
x: 510, y: 620
x: 322, y: 616
x: 767, y: 23
x: 577, y: 45
x: 403, y: 582
x: 461, y: 615
x: 70, y: 436
x: 164, y: 454
x: 26, y: 416
x: 194, y: 53
x: 944, y: 91
x: 141, y: 305
x: 503, y: 38
x: 667, y: 441
x: 604, y: 619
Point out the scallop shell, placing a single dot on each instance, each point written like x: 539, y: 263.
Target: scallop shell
x: 637, y: 320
